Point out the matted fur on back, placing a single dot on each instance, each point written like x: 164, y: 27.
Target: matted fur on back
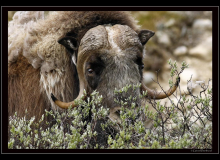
x: 38, y: 65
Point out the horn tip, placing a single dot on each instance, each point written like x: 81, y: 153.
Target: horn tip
x: 177, y: 81
x: 53, y: 97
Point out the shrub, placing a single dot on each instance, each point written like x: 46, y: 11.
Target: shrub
x: 186, y: 124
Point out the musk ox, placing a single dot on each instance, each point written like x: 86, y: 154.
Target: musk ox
x: 52, y: 59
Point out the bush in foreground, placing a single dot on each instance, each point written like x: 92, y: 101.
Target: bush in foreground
x: 184, y: 124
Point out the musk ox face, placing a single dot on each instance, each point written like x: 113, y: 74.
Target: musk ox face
x: 114, y: 60
x: 109, y: 58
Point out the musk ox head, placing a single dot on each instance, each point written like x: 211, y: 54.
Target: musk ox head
x: 108, y: 58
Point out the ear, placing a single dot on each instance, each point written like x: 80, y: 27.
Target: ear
x: 145, y: 35
x: 69, y: 42
x: 71, y: 45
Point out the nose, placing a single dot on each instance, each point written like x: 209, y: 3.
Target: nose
x: 114, y: 114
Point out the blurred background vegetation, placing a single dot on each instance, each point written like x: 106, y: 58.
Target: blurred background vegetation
x: 179, y: 35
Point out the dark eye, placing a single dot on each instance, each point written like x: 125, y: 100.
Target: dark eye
x: 90, y: 71
x: 142, y: 66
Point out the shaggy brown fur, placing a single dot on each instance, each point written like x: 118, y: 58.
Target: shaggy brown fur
x: 38, y: 65
x: 23, y: 88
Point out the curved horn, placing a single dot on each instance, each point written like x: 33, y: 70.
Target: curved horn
x: 160, y: 95
x: 65, y: 105
x: 92, y: 40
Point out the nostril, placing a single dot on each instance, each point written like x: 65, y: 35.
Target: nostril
x: 118, y: 112
x: 115, y: 114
